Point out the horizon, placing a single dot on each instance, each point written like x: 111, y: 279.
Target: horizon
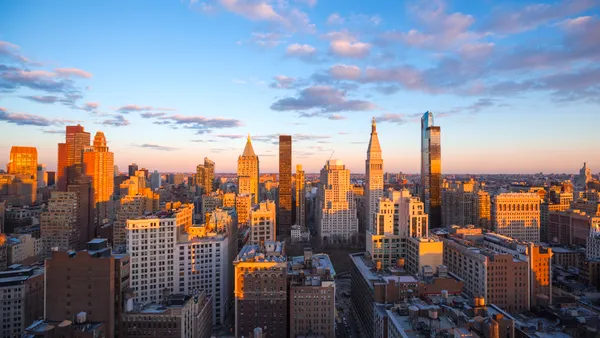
x: 175, y: 82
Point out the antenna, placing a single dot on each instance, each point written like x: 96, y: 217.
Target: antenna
x: 333, y: 152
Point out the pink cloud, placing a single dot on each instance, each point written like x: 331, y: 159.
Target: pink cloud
x: 344, y: 72
x: 73, y: 72
x: 349, y: 49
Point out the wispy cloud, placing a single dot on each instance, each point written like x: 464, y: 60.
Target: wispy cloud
x: 322, y: 98
x: 155, y: 147
x: 116, y: 121
x: 283, y: 82
x: 137, y: 108
x: 24, y: 119
x: 68, y: 72
x: 304, y: 52
x: 201, y: 124
x: 230, y: 136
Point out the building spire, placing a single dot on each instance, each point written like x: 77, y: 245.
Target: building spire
x: 248, y: 150
x: 374, y: 140
x: 373, y: 126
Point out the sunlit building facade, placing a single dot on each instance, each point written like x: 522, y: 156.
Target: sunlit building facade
x: 243, y: 206
x: 70, y: 156
x: 285, y: 186
x: 300, y: 197
x: 248, y: 172
x: 205, y: 175
x: 517, y: 215
x: 263, y: 225
x: 373, y: 176
x: 23, y: 161
x: 431, y: 170
x: 98, y: 164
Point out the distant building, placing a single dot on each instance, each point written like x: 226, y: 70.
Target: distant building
x: 311, y: 295
x: 132, y: 206
x: 336, y: 208
x: 300, y: 196
x: 24, y: 249
x: 284, y: 215
x: 177, y: 316
x: 261, y: 290
x: 464, y: 203
x: 155, y: 180
x: 89, y: 281
x: 22, y: 290
x: 205, y: 176
x: 431, y: 170
x: 248, y: 172
x: 263, y: 225
x: 585, y: 176
x: 132, y: 169
x: 517, y: 215
x: 570, y: 227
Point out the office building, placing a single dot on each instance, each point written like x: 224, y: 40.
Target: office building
x: 22, y: 300
x: 311, y: 295
x: 98, y: 164
x: 229, y: 200
x: 60, y: 223
x: 132, y: 169
x: 336, y: 208
x: 18, y: 190
x: 261, y: 290
x: 155, y: 180
x: 87, y: 227
x: 151, y: 243
x: 177, y: 316
x: 85, y: 281
x: 70, y: 156
x: 284, y: 215
x: 211, y: 202
x: 41, y: 175
x: 373, y: 176
x: 517, y: 215
x: 205, y: 176
x: 559, y: 199
x: 132, y: 206
x: 300, y: 197
x: 203, y: 261
x: 431, y: 170
x: 263, y: 226
x: 570, y: 227
x: 464, y: 203
x: 423, y: 251
x: 243, y: 206
x: 23, y: 249
x: 23, y: 161
x: 248, y: 172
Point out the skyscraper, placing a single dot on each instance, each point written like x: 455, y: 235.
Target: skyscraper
x: 248, y: 172
x: 336, y: 207
x: 374, y: 175
x: 285, y: 186
x: 300, y: 197
x: 98, y: 164
x: 205, y: 176
x: 23, y: 161
x: 60, y: 223
x: 132, y: 169
x: 431, y: 170
x: 70, y: 155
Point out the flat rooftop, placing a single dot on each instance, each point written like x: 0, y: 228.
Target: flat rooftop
x: 270, y: 253
x: 417, y: 328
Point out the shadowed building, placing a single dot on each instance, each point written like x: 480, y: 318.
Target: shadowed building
x: 60, y: 223
x: 431, y: 170
x: 284, y: 216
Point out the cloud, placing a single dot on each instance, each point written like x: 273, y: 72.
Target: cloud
x: 35, y: 79
x: 203, y: 141
x: 282, y: 82
x: 155, y: 147
x: 137, y: 108
x: 302, y: 52
x: 49, y: 99
x: 344, y: 72
x: 306, y: 137
x: 23, y: 119
x: 116, y: 121
x: 268, y: 39
x: 230, y: 136
x: 10, y: 52
x: 325, y: 99
x: 282, y: 15
x: 336, y: 117
x: 516, y: 20
x: 309, y: 3
x: 67, y: 72
x: 53, y: 131
x: 398, y: 118
x: 335, y: 19
x: 349, y: 49
x: 148, y: 115
x: 201, y: 124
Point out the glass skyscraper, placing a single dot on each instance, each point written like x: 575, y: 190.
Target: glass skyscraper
x: 431, y: 170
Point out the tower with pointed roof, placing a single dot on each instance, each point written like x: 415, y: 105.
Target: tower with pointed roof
x: 248, y: 172
x: 374, y: 176
x: 98, y: 165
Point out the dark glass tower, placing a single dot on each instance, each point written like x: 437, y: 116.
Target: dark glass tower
x: 285, y: 186
x: 431, y: 170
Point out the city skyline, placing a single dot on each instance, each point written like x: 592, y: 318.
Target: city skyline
x: 503, y: 88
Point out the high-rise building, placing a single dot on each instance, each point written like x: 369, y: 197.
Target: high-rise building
x: 132, y: 206
x: 23, y: 161
x: 210, y: 202
x: 373, y: 176
x: 205, y: 176
x: 177, y: 316
x: 248, y: 172
x: 60, y: 223
x: 203, y: 261
x: 98, y: 164
x: 132, y: 169
x: 41, y: 175
x: 311, y: 275
x: 463, y: 203
x: 85, y: 197
x: 86, y: 281
x: 22, y: 290
x: 300, y: 197
x: 263, y: 226
x: 284, y: 215
x: 336, y: 208
x: 261, y: 290
x: 431, y: 170
x: 151, y: 242
x: 585, y: 176
x: 517, y: 215
x: 571, y: 227
x: 70, y: 156
x: 155, y: 180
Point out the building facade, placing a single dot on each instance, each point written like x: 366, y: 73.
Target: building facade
x: 517, y: 215
x: 98, y: 164
x: 22, y: 300
x: 70, y: 156
x: 248, y: 172
x: 205, y: 176
x: 60, y: 224
x: 373, y: 176
x: 263, y: 225
x: 300, y: 197
x: 284, y: 218
x: 431, y: 170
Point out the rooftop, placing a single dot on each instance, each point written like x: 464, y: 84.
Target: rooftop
x: 271, y: 252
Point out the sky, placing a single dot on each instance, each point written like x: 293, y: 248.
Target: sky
x: 514, y: 85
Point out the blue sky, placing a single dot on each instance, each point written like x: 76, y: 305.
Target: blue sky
x: 514, y: 84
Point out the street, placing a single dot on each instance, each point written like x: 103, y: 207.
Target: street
x: 345, y: 325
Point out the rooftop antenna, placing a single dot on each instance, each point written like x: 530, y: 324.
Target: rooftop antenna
x: 333, y: 152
